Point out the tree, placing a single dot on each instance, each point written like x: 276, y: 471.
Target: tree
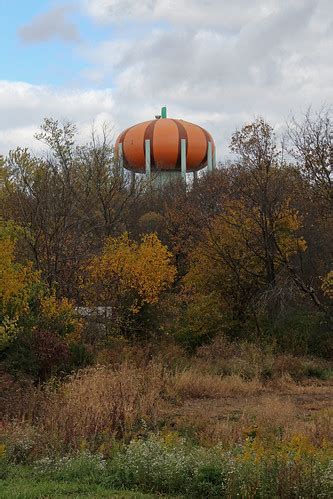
x: 126, y: 278
x: 310, y: 146
x: 26, y: 304
x: 16, y: 281
x: 267, y: 183
x: 257, y: 158
x: 231, y: 261
x: 68, y: 201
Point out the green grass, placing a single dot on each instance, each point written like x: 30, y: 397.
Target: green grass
x: 22, y: 482
x: 174, y: 467
x: 25, y: 488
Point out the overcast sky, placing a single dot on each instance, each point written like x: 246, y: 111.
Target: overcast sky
x: 218, y: 63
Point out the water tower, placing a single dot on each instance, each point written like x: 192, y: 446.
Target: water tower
x: 165, y: 149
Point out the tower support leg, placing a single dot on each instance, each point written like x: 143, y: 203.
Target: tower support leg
x: 121, y: 159
x: 147, y: 155
x: 210, y: 157
x: 132, y: 181
x: 183, y: 159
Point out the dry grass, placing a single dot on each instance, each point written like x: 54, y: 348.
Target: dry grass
x: 268, y: 416
x: 19, y: 399
x: 250, y: 361
x: 95, y: 406
x: 104, y: 401
x: 271, y: 415
x: 193, y: 384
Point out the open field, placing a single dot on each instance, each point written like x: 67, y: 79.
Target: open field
x: 288, y: 409
x: 181, y: 430
x: 26, y: 488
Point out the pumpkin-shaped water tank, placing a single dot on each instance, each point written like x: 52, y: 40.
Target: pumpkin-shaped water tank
x: 165, y: 137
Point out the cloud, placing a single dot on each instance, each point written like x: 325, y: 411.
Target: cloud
x: 53, y: 24
x: 24, y: 107
x: 217, y: 62
x: 219, y: 13
x: 214, y: 62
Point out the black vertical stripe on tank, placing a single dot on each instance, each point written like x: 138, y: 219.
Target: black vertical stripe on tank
x: 182, y: 134
x: 149, y: 135
x: 208, y: 139
x: 121, y: 141
x: 124, y: 133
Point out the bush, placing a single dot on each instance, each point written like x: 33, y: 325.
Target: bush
x: 84, y: 466
x: 97, y: 405
x: 39, y: 354
x: 19, y: 444
x: 192, y: 384
x: 295, y: 469
x: 301, y: 332
x: 170, y: 465
x: 199, y: 323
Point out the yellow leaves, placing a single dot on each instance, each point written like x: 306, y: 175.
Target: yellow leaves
x: 8, y: 331
x: 20, y: 287
x: 253, y: 451
x: 172, y: 438
x: 59, y: 314
x: 241, y: 239
x: 153, y: 270
x: 142, y: 270
x: 11, y: 277
x: 285, y: 227
x: 298, y: 448
x: 14, y: 279
x: 226, y: 249
x: 327, y: 285
x: 51, y: 307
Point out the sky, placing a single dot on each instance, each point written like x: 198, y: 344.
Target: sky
x: 218, y: 63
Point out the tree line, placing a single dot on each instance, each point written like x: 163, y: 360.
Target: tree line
x: 245, y: 251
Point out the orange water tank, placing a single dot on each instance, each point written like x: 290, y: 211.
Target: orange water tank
x: 165, y: 136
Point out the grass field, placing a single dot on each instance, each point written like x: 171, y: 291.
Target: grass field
x: 178, y: 428
x: 24, y: 488
x: 22, y: 482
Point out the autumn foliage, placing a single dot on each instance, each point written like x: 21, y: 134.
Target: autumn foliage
x: 128, y: 276
x: 172, y: 340
x: 90, y: 260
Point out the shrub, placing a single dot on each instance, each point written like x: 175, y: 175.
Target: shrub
x: 38, y: 354
x: 128, y: 278
x: 99, y: 404
x: 19, y: 442
x: 83, y: 466
x: 294, y: 469
x: 302, y: 332
x: 199, y: 323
